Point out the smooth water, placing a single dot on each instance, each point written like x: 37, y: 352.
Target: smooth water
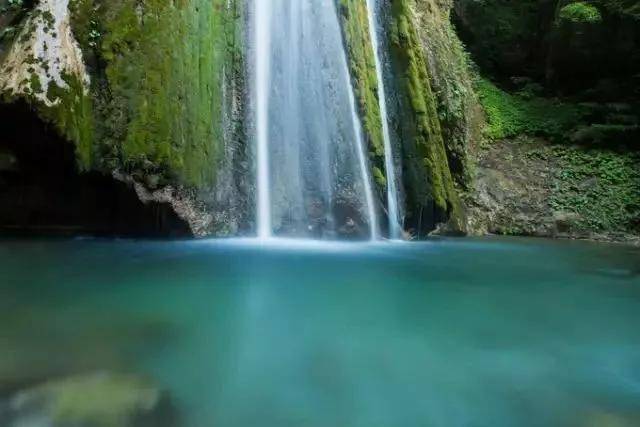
x: 313, y: 177
x: 443, y: 333
x: 261, y: 43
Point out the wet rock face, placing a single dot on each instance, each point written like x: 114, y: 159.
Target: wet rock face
x: 93, y: 400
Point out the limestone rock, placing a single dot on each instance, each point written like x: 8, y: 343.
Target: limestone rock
x: 45, y: 52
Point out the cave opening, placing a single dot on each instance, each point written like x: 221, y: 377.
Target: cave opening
x: 42, y: 193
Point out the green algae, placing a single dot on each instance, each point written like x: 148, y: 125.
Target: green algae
x: 72, y: 114
x: 159, y: 71
x: 429, y: 178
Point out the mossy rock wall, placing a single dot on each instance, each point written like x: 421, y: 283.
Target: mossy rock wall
x: 431, y: 97
x: 429, y: 184
x: 152, y: 90
x: 451, y: 79
x: 145, y: 87
x: 161, y: 71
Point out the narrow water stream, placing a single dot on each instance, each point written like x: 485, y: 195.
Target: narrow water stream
x: 395, y: 220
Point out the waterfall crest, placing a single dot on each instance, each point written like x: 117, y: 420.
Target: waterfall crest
x: 312, y: 176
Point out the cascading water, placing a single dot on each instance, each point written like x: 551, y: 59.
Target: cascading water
x: 312, y: 172
x: 395, y: 227
x: 262, y: 65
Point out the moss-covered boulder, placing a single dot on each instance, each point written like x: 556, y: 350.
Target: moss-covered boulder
x: 94, y: 400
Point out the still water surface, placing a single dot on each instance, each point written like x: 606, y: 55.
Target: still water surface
x: 486, y: 332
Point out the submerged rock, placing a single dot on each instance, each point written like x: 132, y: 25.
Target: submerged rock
x: 94, y: 400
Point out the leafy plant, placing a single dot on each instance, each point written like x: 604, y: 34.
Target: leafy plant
x: 601, y: 186
x: 580, y: 12
x: 513, y: 114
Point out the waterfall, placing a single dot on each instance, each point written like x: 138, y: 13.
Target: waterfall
x: 261, y: 52
x: 395, y: 226
x: 312, y: 176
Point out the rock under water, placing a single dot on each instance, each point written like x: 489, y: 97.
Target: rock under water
x: 94, y: 400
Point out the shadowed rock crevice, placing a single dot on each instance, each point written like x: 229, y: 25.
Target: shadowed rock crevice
x: 42, y: 192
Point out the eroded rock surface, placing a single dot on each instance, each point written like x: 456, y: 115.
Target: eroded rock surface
x: 45, y: 54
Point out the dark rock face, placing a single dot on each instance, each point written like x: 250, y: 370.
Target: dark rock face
x: 41, y: 191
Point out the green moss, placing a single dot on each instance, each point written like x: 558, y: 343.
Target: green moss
x: 159, y: 90
x: 580, y: 12
x: 99, y: 400
x: 424, y: 145
x: 34, y: 84
x: 355, y: 27
x: 379, y: 177
x: 453, y: 86
x: 85, y: 21
x: 72, y: 114
x: 513, y: 114
x: 499, y: 27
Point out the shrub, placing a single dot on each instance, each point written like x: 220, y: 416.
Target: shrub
x: 580, y: 12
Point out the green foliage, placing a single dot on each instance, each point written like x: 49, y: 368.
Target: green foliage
x: 500, y: 29
x: 629, y: 8
x: 509, y: 115
x: 580, y: 12
x: 14, y: 5
x: 601, y: 186
x: 72, y: 114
